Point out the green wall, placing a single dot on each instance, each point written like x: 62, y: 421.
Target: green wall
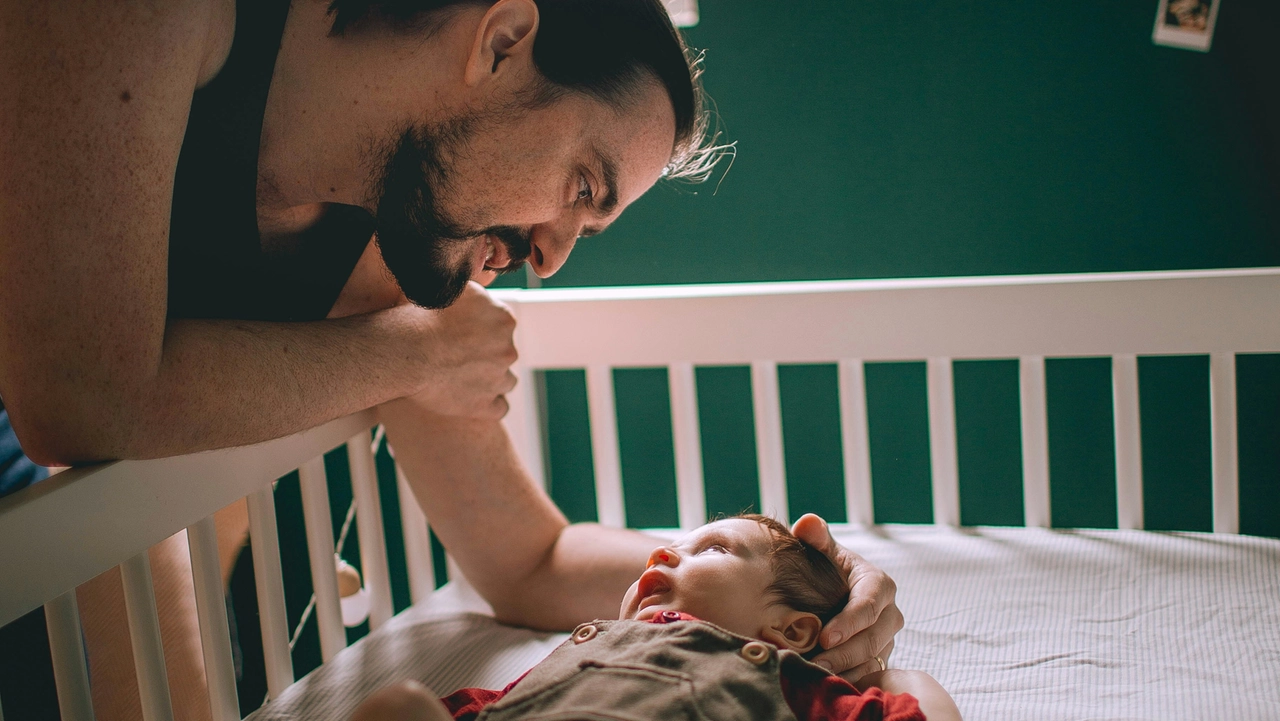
x: 928, y: 138
x: 933, y: 139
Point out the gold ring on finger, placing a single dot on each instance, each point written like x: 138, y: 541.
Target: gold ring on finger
x: 881, y: 662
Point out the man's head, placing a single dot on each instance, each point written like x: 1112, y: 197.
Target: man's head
x: 748, y: 575
x: 554, y: 116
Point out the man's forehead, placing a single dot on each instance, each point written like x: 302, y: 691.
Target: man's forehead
x: 631, y: 150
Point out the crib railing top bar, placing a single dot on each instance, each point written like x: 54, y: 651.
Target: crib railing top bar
x: 725, y: 290
x: 68, y: 529
x: 1147, y: 314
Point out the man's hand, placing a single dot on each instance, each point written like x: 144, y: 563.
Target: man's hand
x: 865, y: 628
x: 468, y: 349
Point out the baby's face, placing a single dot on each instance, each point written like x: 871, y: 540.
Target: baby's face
x: 719, y: 573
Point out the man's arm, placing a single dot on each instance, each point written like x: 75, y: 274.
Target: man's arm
x: 97, y: 96
x: 508, y: 537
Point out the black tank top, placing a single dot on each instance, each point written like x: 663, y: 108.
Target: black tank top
x: 217, y: 265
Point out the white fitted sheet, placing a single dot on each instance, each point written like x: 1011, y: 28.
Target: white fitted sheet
x: 1016, y: 623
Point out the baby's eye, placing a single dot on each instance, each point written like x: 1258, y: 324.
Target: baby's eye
x: 715, y: 547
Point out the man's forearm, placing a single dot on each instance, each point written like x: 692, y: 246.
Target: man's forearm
x: 508, y: 537
x: 583, y: 578
x: 218, y: 384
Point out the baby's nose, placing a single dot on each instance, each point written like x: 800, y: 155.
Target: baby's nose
x: 663, y: 555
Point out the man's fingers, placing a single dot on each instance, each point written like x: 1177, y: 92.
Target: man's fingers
x: 873, y: 666
x: 813, y: 530
x: 865, y: 645
x: 872, y: 592
x: 508, y: 382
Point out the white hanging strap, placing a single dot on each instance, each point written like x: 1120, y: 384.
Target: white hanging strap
x: 70, y: 672
x: 269, y: 579
x: 369, y: 526
x: 324, y: 579
x: 211, y: 608
x: 144, y: 632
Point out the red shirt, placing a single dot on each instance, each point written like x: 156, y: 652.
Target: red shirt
x: 829, y: 698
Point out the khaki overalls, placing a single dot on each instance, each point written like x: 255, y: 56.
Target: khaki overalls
x: 641, y: 671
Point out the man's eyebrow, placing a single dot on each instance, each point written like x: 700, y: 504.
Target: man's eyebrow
x: 609, y: 202
x: 609, y: 168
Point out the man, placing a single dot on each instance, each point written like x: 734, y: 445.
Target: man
x: 225, y: 223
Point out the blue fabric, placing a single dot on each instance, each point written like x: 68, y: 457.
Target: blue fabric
x: 16, y: 470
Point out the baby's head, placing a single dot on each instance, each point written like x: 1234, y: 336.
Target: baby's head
x: 746, y: 574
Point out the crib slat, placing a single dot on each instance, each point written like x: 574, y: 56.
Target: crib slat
x: 1035, y: 442
x: 324, y: 577
x: 610, y: 508
x: 942, y: 442
x: 70, y: 672
x: 855, y: 442
x: 211, y: 608
x: 1124, y: 390
x: 769, y: 453
x: 417, y: 542
x: 691, y: 501
x: 369, y: 526
x: 144, y: 633
x: 523, y: 421
x: 1226, y: 472
x: 269, y: 581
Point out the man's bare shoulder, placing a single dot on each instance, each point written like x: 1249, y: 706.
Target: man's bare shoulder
x: 97, y: 98
x: 186, y: 40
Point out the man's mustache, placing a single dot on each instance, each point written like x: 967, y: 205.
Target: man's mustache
x: 517, y: 241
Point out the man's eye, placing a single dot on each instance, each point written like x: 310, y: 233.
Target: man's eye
x: 584, y: 189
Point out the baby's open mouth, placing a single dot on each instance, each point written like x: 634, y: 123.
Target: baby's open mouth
x: 652, y: 583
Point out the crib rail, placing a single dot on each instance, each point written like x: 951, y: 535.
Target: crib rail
x: 1118, y: 315
x: 65, y: 531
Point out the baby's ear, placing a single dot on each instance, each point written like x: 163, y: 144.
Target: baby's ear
x: 794, y: 630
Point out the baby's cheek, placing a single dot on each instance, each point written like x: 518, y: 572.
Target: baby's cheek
x: 627, y: 599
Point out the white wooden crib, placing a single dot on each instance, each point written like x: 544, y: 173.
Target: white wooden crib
x: 65, y: 531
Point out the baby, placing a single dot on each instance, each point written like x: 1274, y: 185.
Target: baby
x: 716, y: 627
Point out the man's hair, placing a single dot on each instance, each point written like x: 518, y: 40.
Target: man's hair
x: 603, y: 48
x: 803, y: 577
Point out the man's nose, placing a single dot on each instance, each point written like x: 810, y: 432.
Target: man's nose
x: 663, y: 555
x: 550, y: 247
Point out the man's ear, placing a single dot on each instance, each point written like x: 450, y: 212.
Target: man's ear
x: 503, y: 41
x: 795, y: 630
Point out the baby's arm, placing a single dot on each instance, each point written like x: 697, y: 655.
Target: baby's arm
x: 407, y: 701
x: 935, y: 702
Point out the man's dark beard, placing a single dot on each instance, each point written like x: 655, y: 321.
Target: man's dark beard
x: 414, y: 235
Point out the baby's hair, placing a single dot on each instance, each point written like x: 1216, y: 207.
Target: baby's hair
x: 803, y: 577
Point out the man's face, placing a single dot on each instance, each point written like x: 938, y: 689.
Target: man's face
x: 720, y: 573
x: 483, y: 193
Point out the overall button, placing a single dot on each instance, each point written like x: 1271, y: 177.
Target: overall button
x: 755, y: 652
x: 585, y: 633
x: 670, y: 616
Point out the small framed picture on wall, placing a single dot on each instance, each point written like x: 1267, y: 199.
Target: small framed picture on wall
x: 1186, y: 24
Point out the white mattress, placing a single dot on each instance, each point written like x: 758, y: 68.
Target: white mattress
x: 1016, y: 623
